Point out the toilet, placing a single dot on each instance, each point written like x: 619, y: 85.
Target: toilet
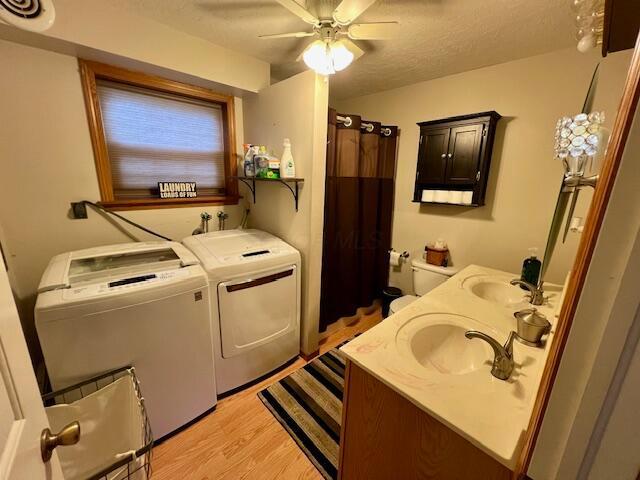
x: 426, y: 277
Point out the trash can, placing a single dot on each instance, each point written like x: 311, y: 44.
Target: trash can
x: 389, y: 294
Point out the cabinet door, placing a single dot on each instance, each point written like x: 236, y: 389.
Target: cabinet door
x: 432, y: 165
x: 464, y: 154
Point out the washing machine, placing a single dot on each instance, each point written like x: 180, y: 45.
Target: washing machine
x: 141, y: 304
x: 254, y: 282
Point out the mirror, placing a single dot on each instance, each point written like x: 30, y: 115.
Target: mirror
x: 574, y: 178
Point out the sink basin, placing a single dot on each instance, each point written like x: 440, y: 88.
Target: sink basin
x: 445, y: 349
x: 438, y: 344
x: 500, y: 292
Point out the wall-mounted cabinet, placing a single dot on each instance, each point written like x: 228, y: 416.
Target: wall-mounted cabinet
x: 454, y: 155
x: 621, y: 25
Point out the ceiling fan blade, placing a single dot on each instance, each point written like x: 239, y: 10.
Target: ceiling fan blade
x: 349, y: 10
x: 297, y: 9
x: 353, y: 48
x: 373, y: 31
x: 288, y: 35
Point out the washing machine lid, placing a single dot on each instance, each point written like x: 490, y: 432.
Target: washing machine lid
x: 122, y: 261
x: 237, y: 247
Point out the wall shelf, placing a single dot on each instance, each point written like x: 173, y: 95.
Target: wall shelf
x: 291, y: 183
x: 449, y: 203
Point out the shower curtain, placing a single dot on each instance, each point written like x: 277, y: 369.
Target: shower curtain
x: 357, y: 217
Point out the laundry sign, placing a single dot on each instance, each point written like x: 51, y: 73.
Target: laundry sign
x: 177, y: 189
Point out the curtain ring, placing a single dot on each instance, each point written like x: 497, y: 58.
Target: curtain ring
x: 367, y: 126
x: 345, y: 120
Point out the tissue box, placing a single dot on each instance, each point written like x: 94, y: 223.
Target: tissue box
x: 437, y: 256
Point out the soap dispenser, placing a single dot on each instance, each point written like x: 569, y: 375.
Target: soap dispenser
x: 531, y: 268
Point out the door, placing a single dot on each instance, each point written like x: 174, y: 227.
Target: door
x: 464, y: 155
x: 432, y: 160
x: 22, y: 415
x: 256, y: 310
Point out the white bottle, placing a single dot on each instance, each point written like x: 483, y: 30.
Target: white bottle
x: 248, y: 163
x: 287, y: 165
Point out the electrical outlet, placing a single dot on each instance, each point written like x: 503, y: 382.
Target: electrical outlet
x: 78, y: 210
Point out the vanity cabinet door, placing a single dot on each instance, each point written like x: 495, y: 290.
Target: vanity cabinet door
x: 463, y: 155
x: 432, y: 160
x: 386, y: 437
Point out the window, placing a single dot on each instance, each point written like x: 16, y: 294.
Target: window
x: 146, y: 130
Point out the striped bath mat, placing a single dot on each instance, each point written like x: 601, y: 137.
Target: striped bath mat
x: 308, y: 404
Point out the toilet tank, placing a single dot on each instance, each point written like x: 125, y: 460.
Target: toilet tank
x: 426, y: 277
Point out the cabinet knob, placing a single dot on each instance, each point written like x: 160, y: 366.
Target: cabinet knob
x: 450, y: 155
x: 443, y: 155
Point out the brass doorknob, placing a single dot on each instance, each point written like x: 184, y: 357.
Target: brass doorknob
x: 69, y: 435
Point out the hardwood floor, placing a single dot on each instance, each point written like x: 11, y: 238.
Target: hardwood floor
x: 241, y: 439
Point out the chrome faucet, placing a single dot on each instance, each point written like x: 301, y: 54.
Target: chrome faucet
x: 503, y: 355
x: 535, y: 291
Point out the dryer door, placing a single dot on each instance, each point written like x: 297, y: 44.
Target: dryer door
x: 257, y: 309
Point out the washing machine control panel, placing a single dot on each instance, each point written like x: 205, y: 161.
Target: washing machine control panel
x: 125, y: 283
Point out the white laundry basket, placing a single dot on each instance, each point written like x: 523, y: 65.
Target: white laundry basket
x: 115, y: 433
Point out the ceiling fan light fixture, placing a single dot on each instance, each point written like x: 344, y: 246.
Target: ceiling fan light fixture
x: 316, y: 57
x: 334, y: 50
x: 340, y: 55
x: 327, y: 58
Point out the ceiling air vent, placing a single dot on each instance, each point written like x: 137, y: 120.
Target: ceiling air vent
x: 33, y: 15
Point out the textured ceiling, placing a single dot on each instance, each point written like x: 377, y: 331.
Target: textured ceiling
x: 437, y: 38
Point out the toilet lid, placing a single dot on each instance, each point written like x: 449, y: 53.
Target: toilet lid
x: 402, y: 302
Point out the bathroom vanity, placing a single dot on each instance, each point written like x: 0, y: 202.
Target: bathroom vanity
x: 420, y: 401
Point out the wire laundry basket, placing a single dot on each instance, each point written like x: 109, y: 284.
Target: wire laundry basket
x: 133, y: 465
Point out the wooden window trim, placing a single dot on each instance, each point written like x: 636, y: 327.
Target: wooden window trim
x: 90, y: 72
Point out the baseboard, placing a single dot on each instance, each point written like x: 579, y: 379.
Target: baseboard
x: 310, y: 356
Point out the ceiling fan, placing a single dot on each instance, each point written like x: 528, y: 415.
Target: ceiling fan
x: 334, y: 50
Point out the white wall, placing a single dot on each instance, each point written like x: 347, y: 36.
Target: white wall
x: 46, y: 161
x: 530, y: 94
x: 295, y: 108
x: 616, y: 453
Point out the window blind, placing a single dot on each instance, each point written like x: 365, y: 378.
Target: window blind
x: 154, y: 137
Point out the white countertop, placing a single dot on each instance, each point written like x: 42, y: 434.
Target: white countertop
x: 492, y: 414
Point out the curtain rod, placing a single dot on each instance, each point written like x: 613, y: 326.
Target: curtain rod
x: 347, y: 121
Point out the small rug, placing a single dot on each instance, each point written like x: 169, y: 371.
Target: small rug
x: 308, y: 404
